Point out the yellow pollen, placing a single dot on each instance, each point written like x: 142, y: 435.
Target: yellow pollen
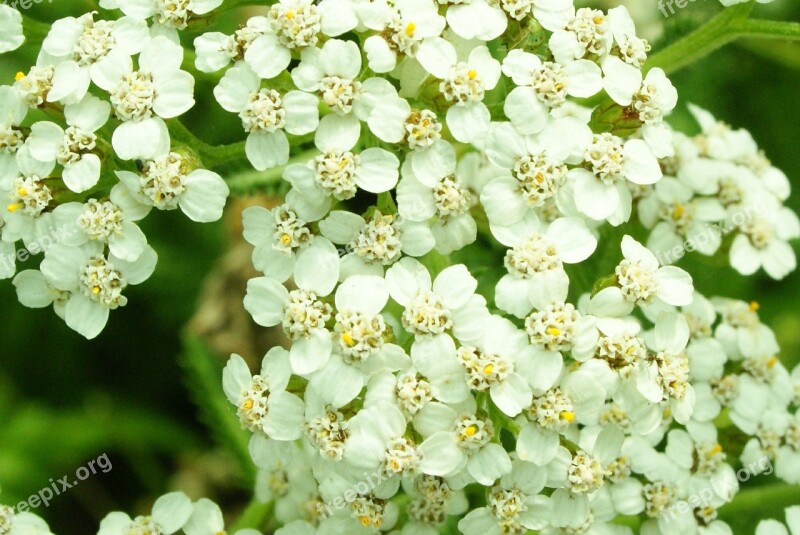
x: 365, y: 521
x: 488, y: 369
x: 553, y: 331
x: 568, y: 416
x: 247, y: 405
x: 22, y: 192
x: 472, y: 74
x: 13, y: 207
x: 347, y: 339
x: 667, y: 412
x: 410, y: 28
x: 754, y: 306
x: 678, y: 211
x: 772, y: 362
x: 471, y: 430
x: 716, y: 449
x: 290, y: 15
x: 598, y: 19
x: 286, y: 239
x: 19, y: 76
x: 95, y: 290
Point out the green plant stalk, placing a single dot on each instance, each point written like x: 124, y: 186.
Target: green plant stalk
x: 731, y: 24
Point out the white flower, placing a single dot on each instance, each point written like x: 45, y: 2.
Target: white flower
x: 167, y: 180
x: 464, y: 82
x: 403, y: 27
x: 267, y: 115
x: 22, y: 523
x: 534, y: 169
x: 478, y: 19
x: 433, y: 308
x: 641, y: 281
x: 206, y: 519
x: 338, y: 172
x: 677, y: 217
x: 542, y: 86
x: 456, y: 439
x: 331, y: 72
x: 27, y: 197
x: 588, y: 33
x: 170, y: 513
x: 535, y: 261
x: 278, y: 235
x: 94, y: 280
x: 376, y: 440
x: 261, y: 401
x: 34, y: 291
x: 110, y: 222
x: 141, y: 98
x: 216, y: 50
x: 11, y: 36
x: 74, y: 147
x: 296, y: 25
x: 372, y: 244
x: 601, y: 192
x: 300, y: 312
x: 12, y: 112
x: 763, y: 238
x: 169, y: 16
x: 84, y: 50
x: 437, y: 198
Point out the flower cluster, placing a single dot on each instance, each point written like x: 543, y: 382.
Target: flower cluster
x: 76, y: 187
x: 475, y: 334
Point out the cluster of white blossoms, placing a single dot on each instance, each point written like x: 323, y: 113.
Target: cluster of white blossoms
x: 75, y: 187
x: 537, y: 384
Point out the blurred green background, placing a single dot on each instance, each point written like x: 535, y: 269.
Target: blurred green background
x: 65, y: 401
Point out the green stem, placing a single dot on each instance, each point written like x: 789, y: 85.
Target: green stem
x: 254, y: 516
x: 769, y: 29
x: 212, y: 155
x: 701, y: 42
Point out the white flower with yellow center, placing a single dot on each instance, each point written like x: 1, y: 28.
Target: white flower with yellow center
x: 377, y: 441
x: 95, y: 282
x: 448, y: 304
x: 27, y: 196
x: 339, y: 172
x: 73, y: 148
x: 142, y: 98
x: 600, y: 189
x: 402, y: 28
x: 296, y: 25
x: 261, y: 401
x: 641, y: 281
x: 110, y: 222
x: 84, y: 49
x: 302, y: 313
x: 11, y: 36
x: 535, y: 261
x: 36, y: 84
x: 216, y: 50
x: 438, y: 198
x: 457, y: 440
x: 587, y: 34
x: 169, y: 180
x: 534, y: 169
x: 267, y: 115
x: 542, y: 86
x: 464, y: 82
x: 763, y: 238
x: 170, y: 512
